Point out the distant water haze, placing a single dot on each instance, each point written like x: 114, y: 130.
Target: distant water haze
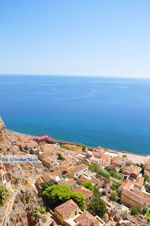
x: 110, y: 112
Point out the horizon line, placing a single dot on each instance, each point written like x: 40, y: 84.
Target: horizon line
x: 103, y: 76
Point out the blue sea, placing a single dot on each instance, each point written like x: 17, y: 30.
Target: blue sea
x: 110, y: 112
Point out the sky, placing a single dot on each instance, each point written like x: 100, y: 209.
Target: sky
x: 75, y: 37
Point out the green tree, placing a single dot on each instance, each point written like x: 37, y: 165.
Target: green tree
x: 115, y: 186
x: 79, y: 199
x: 121, y: 169
x: 110, y: 169
x: 97, y: 193
x: 145, y: 178
x: 44, y: 186
x: 3, y: 194
x: 114, y: 197
x: 88, y: 185
x: 56, y: 195
x: 59, y: 156
x: 134, y: 211
x: 97, y: 207
x: 144, y: 211
x: 83, y: 147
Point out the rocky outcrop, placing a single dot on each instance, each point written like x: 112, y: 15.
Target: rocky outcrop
x: 2, y: 130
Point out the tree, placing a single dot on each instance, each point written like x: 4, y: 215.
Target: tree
x: 97, y: 193
x: 115, y: 186
x: 3, y: 194
x: 148, y: 189
x: 79, y: 199
x: 97, y: 207
x: 110, y: 169
x: 134, y: 211
x: 56, y: 195
x: 59, y: 156
x: 44, y: 186
x: 144, y: 211
x: 114, y: 197
x: 88, y: 185
x: 83, y: 147
x: 145, y: 178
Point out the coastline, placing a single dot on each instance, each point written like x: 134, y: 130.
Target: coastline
x: 134, y: 157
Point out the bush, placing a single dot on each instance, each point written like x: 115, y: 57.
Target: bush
x: 59, y: 156
x: 57, y: 194
x: 98, y: 170
x: 134, y: 211
x: 144, y: 211
x: 88, y: 185
x: 115, y: 186
x: 83, y: 147
x: 114, y: 197
x: 3, y: 194
x: 79, y: 199
x: 97, y: 207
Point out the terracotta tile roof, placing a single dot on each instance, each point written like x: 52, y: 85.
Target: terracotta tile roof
x: 47, y: 177
x: 139, y: 182
x: 126, y: 186
x: 132, y: 169
x: 86, y: 219
x: 82, y: 179
x: 67, y: 208
x: 70, y: 182
x: 84, y: 191
x: 79, y: 168
x: 136, y: 197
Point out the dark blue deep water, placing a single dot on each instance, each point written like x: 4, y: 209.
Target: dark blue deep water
x: 110, y: 112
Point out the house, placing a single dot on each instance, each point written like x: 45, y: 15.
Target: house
x: 79, y: 170
x: 96, y: 182
x: 86, y: 219
x: 69, y: 214
x: 66, y: 211
x: 135, y: 198
x: 147, y: 165
x: 69, y: 182
x: 131, y: 171
x: 99, y: 149
x: 88, y: 194
x: 26, y: 144
x: 120, y: 162
x: 50, y: 162
x: 44, y: 178
x: 128, y: 185
x: 139, y: 182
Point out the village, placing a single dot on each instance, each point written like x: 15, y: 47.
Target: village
x: 72, y: 184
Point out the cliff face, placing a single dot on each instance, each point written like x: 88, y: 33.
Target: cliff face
x: 2, y: 130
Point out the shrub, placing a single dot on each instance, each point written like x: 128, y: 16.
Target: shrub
x: 97, y: 207
x: 115, y: 186
x: 134, y: 211
x: 83, y: 147
x: 88, y: 185
x: 59, y: 156
x: 144, y: 211
x: 114, y: 197
x: 3, y: 194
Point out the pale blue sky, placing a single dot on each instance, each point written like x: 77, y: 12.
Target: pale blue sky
x: 75, y: 37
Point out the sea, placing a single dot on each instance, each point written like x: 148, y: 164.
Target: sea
x: 96, y: 111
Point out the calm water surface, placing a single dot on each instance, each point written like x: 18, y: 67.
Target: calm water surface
x: 110, y: 112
